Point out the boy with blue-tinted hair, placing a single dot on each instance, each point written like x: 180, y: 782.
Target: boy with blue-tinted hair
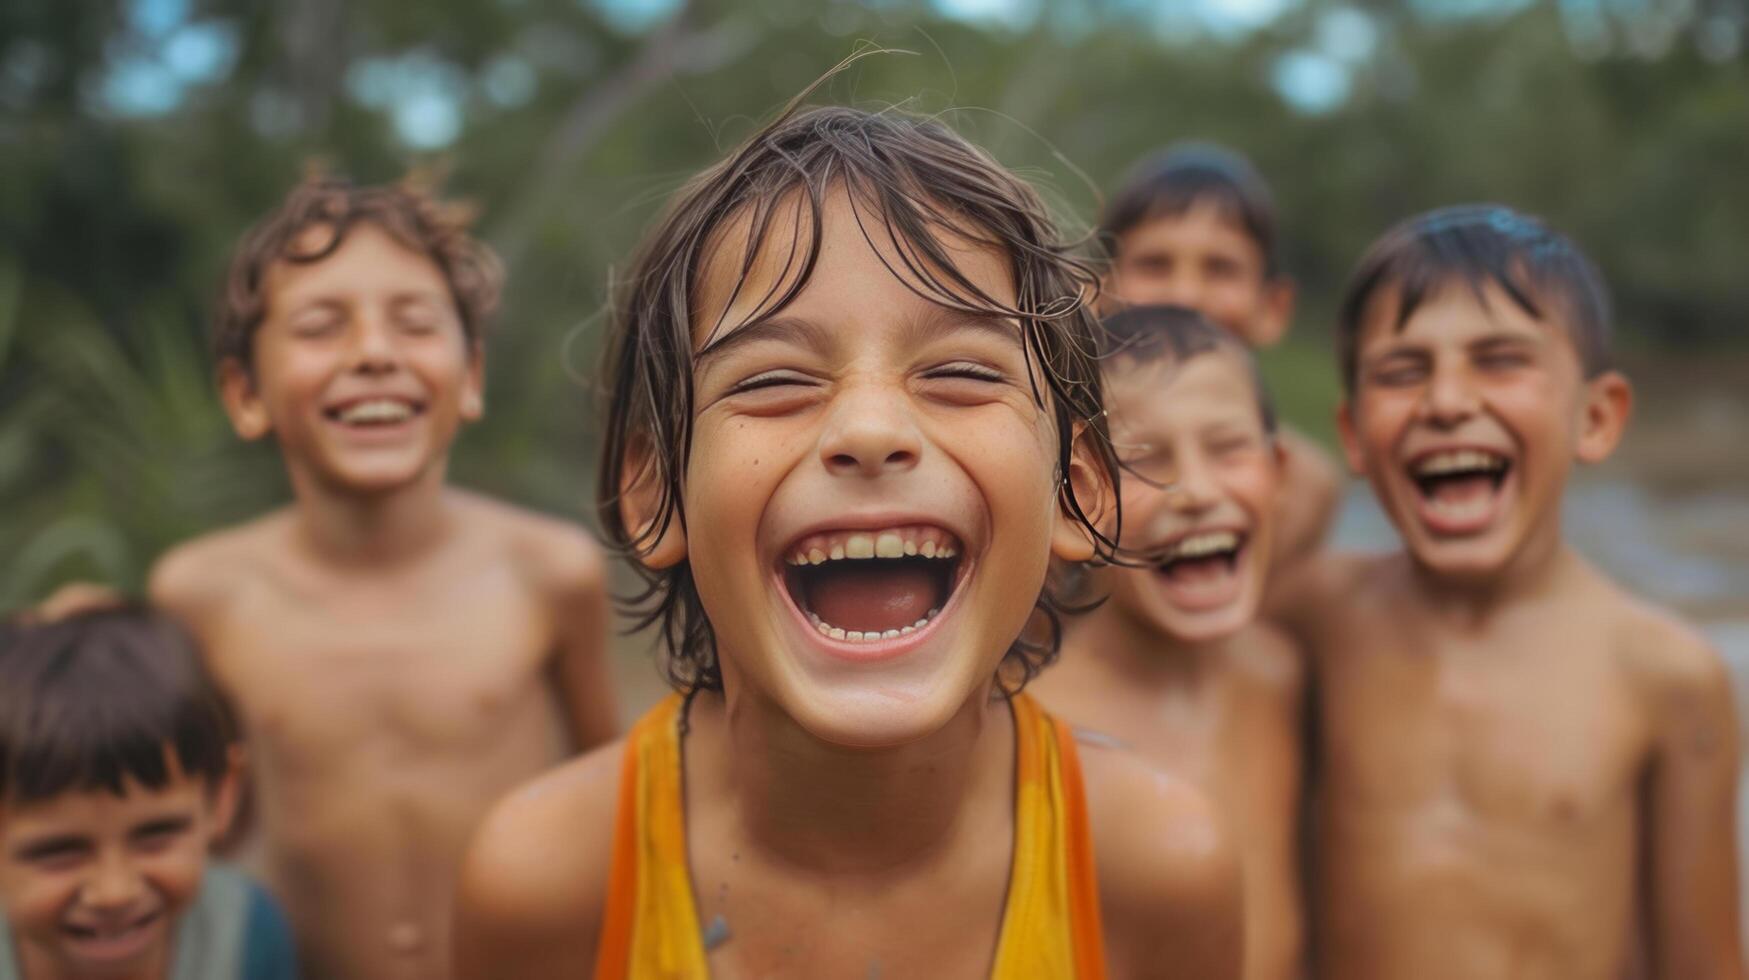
x: 1518, y: 769
x: 118, y: 769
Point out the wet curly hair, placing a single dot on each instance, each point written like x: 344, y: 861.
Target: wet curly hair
x: 910, y: 178
x: 408, y: 210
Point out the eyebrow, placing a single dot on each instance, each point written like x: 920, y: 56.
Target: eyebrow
x: 941, y: 319
x: 163, y: 824
x: 778, y: 328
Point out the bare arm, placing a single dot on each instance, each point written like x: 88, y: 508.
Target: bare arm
x: 1692, y: 798
x: 529, y: 901
x: 577, y: 584
x: 1169, y: 874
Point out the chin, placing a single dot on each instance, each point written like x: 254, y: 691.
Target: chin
x: 874, y: 717
x: 377, y: 477
x: 1464, y: 562
x: 882, y: 704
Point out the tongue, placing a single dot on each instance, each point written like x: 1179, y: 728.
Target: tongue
x: 1461, y: 489
x: 870, y: 595
x: 1193, y: 571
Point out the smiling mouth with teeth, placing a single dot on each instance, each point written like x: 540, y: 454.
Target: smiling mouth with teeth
x: 1201, y: 556
x: 1460, y: 482
x: 110, y: 934
x: 374, y: 412
x: 862, y: 586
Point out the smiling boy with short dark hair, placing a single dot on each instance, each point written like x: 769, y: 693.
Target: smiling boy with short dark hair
x: 118, y: 769
x: 1518, y: 769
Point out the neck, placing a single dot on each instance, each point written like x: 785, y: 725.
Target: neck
x: 345, y: 527
x: 827, y: 808
x: 1125, y: 645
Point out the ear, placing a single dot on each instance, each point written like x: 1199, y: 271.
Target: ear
x: 640, y: 509
x: 1277, y: 313
x: 228, y: 794
x: 1609, y: 401
x: 473, y: 404
x: 1090, y: 484
x: 242, y: 400
x: 1351, y: 453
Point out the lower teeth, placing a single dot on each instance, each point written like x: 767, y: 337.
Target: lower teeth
x: 862, y: 636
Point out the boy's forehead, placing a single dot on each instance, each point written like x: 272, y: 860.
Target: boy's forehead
x: 1208, y: 221
x: 857, y: 247
x: 1166, y: 390
x: 1455, y: 309
x: 367, y: 253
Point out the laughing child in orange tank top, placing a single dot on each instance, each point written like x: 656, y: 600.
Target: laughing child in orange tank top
x: 854, y: 412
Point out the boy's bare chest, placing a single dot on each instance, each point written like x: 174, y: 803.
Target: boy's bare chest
x: 430, y: 667
x: 1537, y: 728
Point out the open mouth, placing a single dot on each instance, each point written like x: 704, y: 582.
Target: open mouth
x: 870, y: 585
x: 113, y: 940
x: 1202, y: 568
x: 374, y: 413
x: 1460, y: 487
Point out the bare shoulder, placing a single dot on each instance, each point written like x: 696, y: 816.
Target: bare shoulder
x: 1671, y: 661
x: 557, y: 555
x: 1317, y: 585
x: 1311, y: 467
x: 189, y: 578
x: 1168, y: 872
x: 533, y: 883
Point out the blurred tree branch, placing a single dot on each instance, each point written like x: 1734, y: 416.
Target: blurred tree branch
x: 675, y: 49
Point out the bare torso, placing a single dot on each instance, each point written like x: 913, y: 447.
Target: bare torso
x: 1228, y: 723
x: 1476, y: 801
x: 385, y: 713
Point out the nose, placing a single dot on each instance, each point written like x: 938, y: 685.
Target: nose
x: 373, y: 345
x: 1181, y: 288
x: 870, y: 432
x: 1449, y: 398
x: 1195, y: 490
x: 114, y: 885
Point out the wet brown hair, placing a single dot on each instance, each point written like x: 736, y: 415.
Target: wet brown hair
x: 94, y: 700
x: 408, y: 211
x: 1176, y: 335
x: 909, y: 178
x: 1539, y: 269
x: 1189, y: 174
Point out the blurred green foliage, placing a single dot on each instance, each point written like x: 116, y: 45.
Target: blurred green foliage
x: 138, y: 138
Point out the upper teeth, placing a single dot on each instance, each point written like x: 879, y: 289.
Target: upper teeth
x: 1205, y: 543
x: 898, y: 542
x: 1459, y: 461
x: 378, y: 410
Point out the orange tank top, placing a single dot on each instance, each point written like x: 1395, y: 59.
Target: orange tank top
x: 1050, y: 925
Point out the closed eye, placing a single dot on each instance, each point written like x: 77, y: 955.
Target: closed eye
x: 769, y: 379
x: 968, y: 370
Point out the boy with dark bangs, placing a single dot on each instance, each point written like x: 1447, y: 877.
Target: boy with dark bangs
x: 1196, y: 227
x: 118, y: 769
x: 1174, y: 663
x: 401, y: 653
x: 853, y: 415
x: 1519, y: 770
